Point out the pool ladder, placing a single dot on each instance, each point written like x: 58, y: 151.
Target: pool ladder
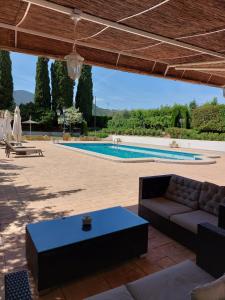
x: 116, y: 141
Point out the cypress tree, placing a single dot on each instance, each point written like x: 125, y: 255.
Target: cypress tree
x: 62, y: 86
x: 84, y: 96
x: 6, y: 81
x: 55, y: 87
x: 42, y: 97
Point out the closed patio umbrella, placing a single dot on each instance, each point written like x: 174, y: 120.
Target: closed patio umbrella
x: 1, y: 128
x: 30, y: 122
x: 17, y: 129
x: 7, y: 128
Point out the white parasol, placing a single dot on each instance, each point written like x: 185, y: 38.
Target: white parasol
x: 7, y: 128
x: 17, y: 129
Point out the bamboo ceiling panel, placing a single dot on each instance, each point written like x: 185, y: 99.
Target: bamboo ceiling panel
x: 42, y: 31
x: 198, y: 57
x: 7, y: 37
x: 99, y: 56
x: 58, y: 24
x: 178, y: 18
x: 120, y: 40
x: 112, y: 10
x: 164, y: 51
x: 192, y: 75
x: 45, y: 45
x: 11, y: 11
x: 213, y: 41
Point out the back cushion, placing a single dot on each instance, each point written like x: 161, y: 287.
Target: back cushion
x: 211, y: 197
x: 184, y: 190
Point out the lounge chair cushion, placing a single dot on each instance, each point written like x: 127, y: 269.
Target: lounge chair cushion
x: 191, y: 220
x: 214, y: 290
x: 211, y: 197
x: 184, y: 190
x: 120, y: 293
x: 173, y: 283
x: 164, y: 207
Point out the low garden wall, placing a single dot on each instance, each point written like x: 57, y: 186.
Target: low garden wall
x: 183, y: 143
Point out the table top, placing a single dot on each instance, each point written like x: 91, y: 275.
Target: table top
x: 49, y: 235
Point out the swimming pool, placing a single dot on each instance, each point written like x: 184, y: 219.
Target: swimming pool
x: 125, y: 152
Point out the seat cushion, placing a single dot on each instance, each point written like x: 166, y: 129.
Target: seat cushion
x: 164, y: 207
x: 214, y: 290
x: 120, y: 293
x: 184, y: 190
x: 173, y: 283
x: 191, y: 220
x: 211, y: 197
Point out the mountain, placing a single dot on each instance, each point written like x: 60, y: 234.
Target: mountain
x: 21, y: 96
x: 104, y: 112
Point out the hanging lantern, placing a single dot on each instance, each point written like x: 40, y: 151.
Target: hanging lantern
x: 74, y: 64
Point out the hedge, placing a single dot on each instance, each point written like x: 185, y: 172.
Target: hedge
x: 210, y: 118
x: 177, y: 133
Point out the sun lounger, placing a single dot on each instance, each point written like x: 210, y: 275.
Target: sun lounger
x: 21, y: 150
x: 13, y: 143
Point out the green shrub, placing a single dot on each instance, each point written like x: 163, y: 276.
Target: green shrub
x: 174, y: 132
x: 209, y: 118
x: 98, y: 134
x: 159, y: 119
x: 182, y: 133
x: 135, y: 131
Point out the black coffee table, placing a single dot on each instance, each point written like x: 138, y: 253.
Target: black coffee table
x: 59, y: 250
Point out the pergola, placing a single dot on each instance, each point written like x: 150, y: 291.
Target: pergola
x: 175, y: 39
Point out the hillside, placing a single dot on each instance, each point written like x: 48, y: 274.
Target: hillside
x: 104, y: 112
x: 22, y: 96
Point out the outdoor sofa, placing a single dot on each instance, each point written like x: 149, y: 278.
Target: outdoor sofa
x: 184, y: 281
x: 193, y: 213
x: 177, y: 205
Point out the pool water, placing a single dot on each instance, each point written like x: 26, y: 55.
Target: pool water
x: 124, y: 151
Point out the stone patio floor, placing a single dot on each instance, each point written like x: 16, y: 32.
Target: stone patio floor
x: 63, y: 183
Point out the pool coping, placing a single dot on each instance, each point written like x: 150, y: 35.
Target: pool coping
x: 204, y: 161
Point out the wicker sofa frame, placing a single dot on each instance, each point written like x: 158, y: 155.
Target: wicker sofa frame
x: 156, y: 186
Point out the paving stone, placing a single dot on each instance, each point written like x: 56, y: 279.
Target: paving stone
x: 64, y: 183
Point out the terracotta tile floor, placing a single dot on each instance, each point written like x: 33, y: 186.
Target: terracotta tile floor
x: 67, y: 183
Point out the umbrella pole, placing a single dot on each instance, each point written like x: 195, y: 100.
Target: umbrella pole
x: 30, y: 129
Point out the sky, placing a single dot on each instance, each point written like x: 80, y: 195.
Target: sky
x: 121, y: 90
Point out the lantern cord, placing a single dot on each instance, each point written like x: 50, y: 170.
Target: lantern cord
x: 76, y: 19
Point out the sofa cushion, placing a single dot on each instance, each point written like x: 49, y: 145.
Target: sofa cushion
x: 164, y: 207
x: 211, y: 197
x: 120, y: 293
x: 214, y: 290
x: 184, y: 190
x: 173, y: 283
x: 191, y: 220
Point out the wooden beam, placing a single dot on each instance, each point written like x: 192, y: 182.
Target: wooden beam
x: 115, y: 25
x: 201, y: 69
x: 21, y: 21
x: 109, y: 66
x: 201, y: 63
